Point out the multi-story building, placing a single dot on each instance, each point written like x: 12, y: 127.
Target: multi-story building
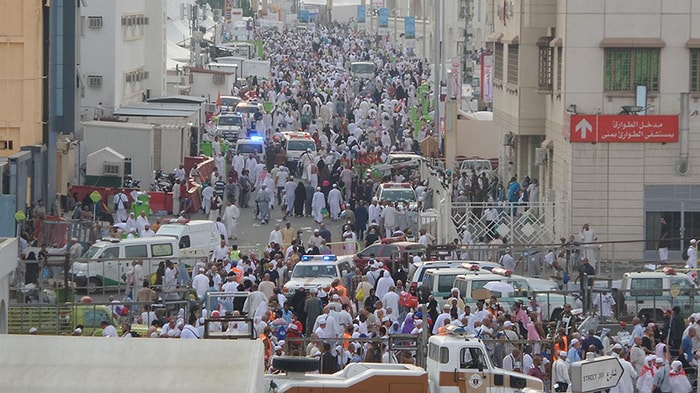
x: 563, y: 73
x: 122, y: 54
x: 21, y: 75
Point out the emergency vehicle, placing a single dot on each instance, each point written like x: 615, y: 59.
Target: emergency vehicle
x: 456, y: 364
x: 397, y: 192
x: 316, y: 271
x: 295, y: 144
x: 652, y: 293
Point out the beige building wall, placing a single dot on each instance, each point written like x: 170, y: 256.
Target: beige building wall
x: 602, y: 184
x: 21, y: 59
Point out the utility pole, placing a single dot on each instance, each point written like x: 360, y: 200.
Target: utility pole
x: 438, y: 67
x: 425, y: 37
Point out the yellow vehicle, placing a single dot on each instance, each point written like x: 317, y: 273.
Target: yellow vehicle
x: 58, y: 319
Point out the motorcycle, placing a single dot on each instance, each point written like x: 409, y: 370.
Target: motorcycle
x: 131, y: 183
x: 162, y: 182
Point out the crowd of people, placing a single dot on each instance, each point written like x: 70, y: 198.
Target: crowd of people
x: 356, y: 122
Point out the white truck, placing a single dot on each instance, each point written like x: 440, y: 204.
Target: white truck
x: 247, y: 67
x: 456, y: 364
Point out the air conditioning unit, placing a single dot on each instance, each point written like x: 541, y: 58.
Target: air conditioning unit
x: 218, y: 79
x: 94, y: 80
x: 95, y: 22
x: 540, y: 156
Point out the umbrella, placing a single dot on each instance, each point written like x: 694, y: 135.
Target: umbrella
x: 499, y: 286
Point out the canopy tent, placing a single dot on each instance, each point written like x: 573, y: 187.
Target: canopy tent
x: 66, y: 364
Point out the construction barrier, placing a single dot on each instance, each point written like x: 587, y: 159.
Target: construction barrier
x: 344, y: 248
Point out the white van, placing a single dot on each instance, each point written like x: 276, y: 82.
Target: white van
x: 110, y: 260
x: 196, y: 236
x: 254, y: 144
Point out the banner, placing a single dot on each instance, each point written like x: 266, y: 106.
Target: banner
x: 227, y: 10
x: 361, y: 14
x: 486, y: 77
x: 409, y: 24
x: 384, y: 17
x: 456, y: 78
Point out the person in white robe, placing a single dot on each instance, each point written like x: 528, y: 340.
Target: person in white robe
x: 231, y: 215
x: 318, y: 202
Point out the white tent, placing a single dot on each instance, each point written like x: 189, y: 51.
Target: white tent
x: 65, y: 364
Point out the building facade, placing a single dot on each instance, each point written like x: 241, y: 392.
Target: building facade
x: 122, y: 54
x: 21, y: 75
x: 558, y: 62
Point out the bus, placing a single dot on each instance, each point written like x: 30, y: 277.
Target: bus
x: 363, y: 69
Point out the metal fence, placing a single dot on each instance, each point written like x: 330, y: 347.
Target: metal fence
x: 63, y: 318
x: 399, y: 348
x: 519, y: 224
x: 38, y: 280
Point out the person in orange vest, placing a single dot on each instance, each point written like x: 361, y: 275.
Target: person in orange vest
x: 267, y: 344
x: 442, y: 330
x: 339, y: 288
x: 349, y: 330
x: 561, y: 343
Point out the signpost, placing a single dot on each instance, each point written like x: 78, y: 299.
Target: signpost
x: 623, y: 128
x: 601, y: 373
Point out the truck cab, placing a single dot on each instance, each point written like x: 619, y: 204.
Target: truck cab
x: 459, y: 364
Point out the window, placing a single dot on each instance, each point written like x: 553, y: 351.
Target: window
x: 184, y: 242
x: 686, y: 287
x: 627, y: 68
x: 94, y: 80
x: 367, y: 252
x: 472, y: 358
x: 112, y: 252
x: 545, y: 64
x: 110, y: 168
x: 438, y: 354
x: 445, y: 282
x: 161, y: 250
x: 646, y: 287
x: 560, y: 60
x: 691, y: 222
x: 695, y: 70
x: 93, y: 318
x: 498, y: 61
x: 389, y: 251
x: 513, y: 51
x: 6, y: 145
x: 95, y: 22
x: 136, y: 251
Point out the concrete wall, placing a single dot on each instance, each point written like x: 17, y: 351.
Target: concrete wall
x: 605, y: 182
x: 122, y: 49
x: 203, y: 84
x: 21, y: 62
x: 8, y: 263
